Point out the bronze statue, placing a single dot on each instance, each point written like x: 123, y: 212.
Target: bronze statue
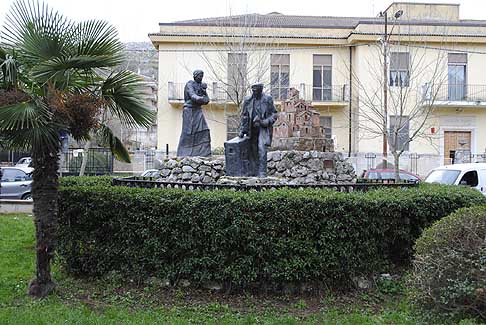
x: 195, y: 139
x: 257, y: 117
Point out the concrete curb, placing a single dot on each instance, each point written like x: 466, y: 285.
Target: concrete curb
x: 15, y: 206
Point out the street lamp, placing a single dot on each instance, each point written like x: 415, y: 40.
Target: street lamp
x: 384, y: 14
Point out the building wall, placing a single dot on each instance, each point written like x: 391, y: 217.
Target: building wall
x: 178, y: 57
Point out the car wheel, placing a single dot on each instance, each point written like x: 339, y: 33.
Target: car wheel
x: 27, y: 196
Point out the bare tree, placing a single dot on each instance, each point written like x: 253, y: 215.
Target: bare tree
x: 416, y: 73
x: 237, y: 57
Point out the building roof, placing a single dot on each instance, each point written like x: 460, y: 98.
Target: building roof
x: 277, y: 20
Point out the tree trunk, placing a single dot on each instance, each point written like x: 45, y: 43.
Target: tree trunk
x: 44, y: 194
x: 397, y: 167
x: 85, y: 158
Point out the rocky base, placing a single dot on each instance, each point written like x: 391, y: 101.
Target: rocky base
x: 283, y: 167
x: 192, y: 169
x: 310, y: 167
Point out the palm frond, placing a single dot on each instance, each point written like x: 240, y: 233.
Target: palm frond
x: 37, y: 31
x: 46, y: 136
x: 98, y: 39
x: 22, y: 116
x: 107, y: 138
x: 124, y: 93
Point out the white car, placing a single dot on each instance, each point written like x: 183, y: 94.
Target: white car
x: 473, y: 175
x: 24, y: 162
x: 16, y: 183
x: 151, y: 173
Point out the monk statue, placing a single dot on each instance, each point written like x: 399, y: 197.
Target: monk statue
x: 195, y: 139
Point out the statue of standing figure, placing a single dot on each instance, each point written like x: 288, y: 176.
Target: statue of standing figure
x: 195, y: 139
x: 258, y: 114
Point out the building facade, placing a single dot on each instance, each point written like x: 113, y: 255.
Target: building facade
x: 414, y: 73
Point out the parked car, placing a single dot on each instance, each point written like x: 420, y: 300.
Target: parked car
x: 16, y: 183
x: 472, y: 175
x: 390, y: 174
x: 24, y: 162
x: 151, y: 173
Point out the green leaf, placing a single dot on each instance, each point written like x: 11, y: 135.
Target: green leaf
x: 107, y: 138
x: 125, y: 93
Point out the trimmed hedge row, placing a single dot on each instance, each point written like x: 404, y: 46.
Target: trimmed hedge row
x: 244, y: 239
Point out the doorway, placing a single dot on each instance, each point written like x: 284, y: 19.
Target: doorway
x: 454, y: 140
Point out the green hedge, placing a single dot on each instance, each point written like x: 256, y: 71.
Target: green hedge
x: 244, y: 239
x: 449, y: 269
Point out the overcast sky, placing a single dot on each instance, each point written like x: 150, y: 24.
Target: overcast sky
x: 134, y: 19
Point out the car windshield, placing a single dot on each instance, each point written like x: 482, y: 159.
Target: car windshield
x: 443, y: 176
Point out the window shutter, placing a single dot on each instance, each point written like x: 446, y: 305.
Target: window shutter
x: 457, y: 58
x: 322, y: 59
x: 399, y: 60
x: 279, y: 59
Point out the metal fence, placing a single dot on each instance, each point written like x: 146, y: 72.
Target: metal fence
x: 216, y: 92
x: 471, y: 93
x: 135, y: 181
x: 100, y: 161
x: 8, y: 157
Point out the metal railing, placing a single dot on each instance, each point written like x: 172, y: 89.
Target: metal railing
x: 100, y: 161
x: 217, y: 92
x: 142, y: 182
x: 461, y: 93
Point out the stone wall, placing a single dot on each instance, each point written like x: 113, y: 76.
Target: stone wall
x: 192, y: 169
x: 310, y: 167
x: 290, y: 167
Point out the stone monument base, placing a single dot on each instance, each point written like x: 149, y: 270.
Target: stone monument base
x: 283, y: 167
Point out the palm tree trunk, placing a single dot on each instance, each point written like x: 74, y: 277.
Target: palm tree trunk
x: 44, y: 193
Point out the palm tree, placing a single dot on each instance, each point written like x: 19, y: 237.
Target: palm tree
x: 57, y: 78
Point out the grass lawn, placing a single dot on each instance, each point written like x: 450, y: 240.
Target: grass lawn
x: 106, y: 301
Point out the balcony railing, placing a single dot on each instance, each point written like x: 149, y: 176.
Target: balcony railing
x: 456, y: 93
x: 334, y: 93
x: 216, y: 92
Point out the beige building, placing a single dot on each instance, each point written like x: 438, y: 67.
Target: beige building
x: 428, y: 61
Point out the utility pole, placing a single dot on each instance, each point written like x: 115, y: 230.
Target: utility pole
x: 397, y: 15
x: 385, y: 94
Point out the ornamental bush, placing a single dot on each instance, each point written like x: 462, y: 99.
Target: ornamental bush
x: 245, y: 239
x: 449, y: 269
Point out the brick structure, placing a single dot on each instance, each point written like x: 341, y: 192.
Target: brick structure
x: 298, y: 126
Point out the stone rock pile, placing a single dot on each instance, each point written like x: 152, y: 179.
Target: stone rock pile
x: 310, y: 167
x: 283, y: 167
x: 192, y: 169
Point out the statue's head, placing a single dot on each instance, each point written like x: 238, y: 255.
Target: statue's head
x: 198, y: 75
x: 257, y: 89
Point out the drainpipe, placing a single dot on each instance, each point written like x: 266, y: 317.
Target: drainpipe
x: 350, y: 99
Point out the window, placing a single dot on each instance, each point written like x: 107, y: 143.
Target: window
x: 14, y: 175
x: 456, y: 75
x: 237, y: 66
x: 326, y: 126
x: 322, y: 78
x: 279, y: 75
x: 399, y: 126
x: 470, y: 179
x: 399, y: 69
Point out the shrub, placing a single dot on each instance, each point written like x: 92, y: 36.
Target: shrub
x: 244, y: 239
x: 449, y: 270
x: 86, y: 181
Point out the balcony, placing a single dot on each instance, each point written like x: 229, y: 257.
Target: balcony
x: 456, y: 95
x: 336, y: 95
